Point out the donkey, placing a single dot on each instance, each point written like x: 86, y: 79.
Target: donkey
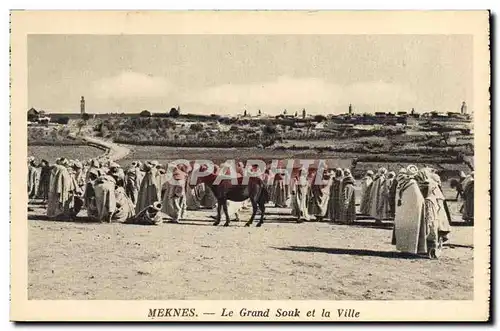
x: 255, y: 190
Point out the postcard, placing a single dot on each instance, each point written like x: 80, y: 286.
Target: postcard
x: 186, y: 166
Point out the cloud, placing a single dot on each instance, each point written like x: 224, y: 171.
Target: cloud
x: 131, y: 84
x: 132, y: 90
x: 303, y: 92
x: 281, y: 92
x: 378, y: 93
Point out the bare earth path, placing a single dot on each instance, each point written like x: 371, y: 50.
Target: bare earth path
x: 115, y: 151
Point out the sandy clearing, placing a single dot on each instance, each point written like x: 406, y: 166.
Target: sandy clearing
x: 281, y: 260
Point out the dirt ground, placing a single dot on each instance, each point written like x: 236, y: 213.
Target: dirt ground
x: 281, y: 260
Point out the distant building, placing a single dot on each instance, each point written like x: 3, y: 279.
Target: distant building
x: 411, y: 121
x: 37, y: 116
x: 455, y: 115
x: 350, y: 109
x: 33, y: 115
x: 319, y: 126
x: 82, y: 106
x: 380, y: 118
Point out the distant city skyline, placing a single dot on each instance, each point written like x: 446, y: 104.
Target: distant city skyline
x: 226, y: 74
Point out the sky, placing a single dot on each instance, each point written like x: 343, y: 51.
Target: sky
x: 225, y: 74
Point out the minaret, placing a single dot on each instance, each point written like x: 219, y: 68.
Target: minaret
x: 82, y: 106
x: 350, y: 109
x: 463, y: 109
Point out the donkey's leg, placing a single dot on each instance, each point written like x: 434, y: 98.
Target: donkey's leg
x: 219, y: 206
x: 224, y: 206
x: 262, y: 207
x: 254, y: 211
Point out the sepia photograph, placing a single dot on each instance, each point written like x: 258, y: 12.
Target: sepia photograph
x: 229, y: 166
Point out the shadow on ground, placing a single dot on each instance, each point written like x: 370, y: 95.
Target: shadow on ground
x: 78, y: 219
x: 458, y: 246
x: 349, y: 251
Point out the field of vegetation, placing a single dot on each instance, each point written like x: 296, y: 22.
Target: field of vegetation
x: 51, y: 152
x: 281, y: 135
x: 400, y: 144
x: 218, y: 155
x: 165, y: 132
x: 52, y: 136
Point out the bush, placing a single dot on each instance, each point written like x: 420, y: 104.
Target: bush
x: 204, y: 135
x: 196, y: 127
x: 62, y: 120
x: 319, y: 118
x: 269, y: 129
x: 145, y: 113
x: 174, y: 112
x: 53, y: 137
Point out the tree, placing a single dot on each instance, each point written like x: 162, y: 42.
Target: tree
x: 309, y: 126
x: 260, y: 113
x: 63, y: 120
x: 196, y: 127
x: 245, y: 113
x: 167, y: 123
x: 204, y: 135
x: 174, y: 112
x: 104, y: 131
x: 85, y: 117
x: 319, y: 118
x: 269, y: 129
x: 80, y: 125
x: 303, y: 113
x: 145, y: 113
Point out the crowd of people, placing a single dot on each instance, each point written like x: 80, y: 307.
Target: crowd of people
x: 142, y: 194
x: 139, y: 194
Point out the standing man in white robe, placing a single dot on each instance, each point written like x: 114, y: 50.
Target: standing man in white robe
x: 376, y: 197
